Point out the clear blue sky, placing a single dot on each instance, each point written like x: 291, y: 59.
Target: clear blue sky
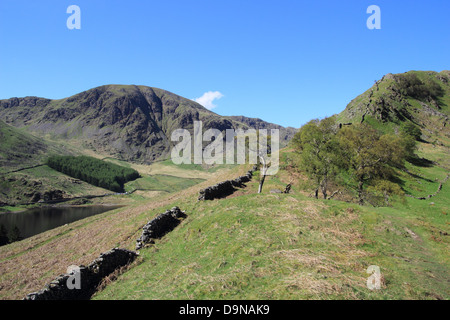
x: 284, y: 61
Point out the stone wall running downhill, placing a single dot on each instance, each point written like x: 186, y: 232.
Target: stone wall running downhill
x: 225, y: 188
x: 90, y: 277
x: 158, y: 227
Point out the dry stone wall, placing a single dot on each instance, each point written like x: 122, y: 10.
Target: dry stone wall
x: 161, y: 225
x: 90, y: 277
x: 225, y: 188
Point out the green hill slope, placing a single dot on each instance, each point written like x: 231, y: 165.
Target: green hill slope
x: 276, y: 246
x: 23, y: 176
x: 271, y: 245
x: 418, y: 97
x: 19, y: 149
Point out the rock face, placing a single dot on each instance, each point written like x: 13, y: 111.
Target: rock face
x: 225, y: 188
x: 286, y: 134
x: 90, y: 277
x: 131, y: 123
x: 161, y: 225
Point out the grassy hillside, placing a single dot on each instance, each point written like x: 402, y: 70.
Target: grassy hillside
x: 275, y: 246
x: 24, y: 177
x: 40, y: 183
x: 19, y: 149
x: 270, y: 245
x: 29, y: 264
x: 161, y: 182
x: 390, y: 102
x: 256, y: 246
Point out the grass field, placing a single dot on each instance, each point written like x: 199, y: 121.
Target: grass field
x: 276, y: 246
x: 256, y: 246
x: 28, y: 265
x: 273, y: 246
x: 161, y: 182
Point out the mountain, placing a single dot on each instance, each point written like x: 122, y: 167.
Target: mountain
x: 131, y: 123
x: 255, y: 123
x: 418, y: 97
x: 265, y: 245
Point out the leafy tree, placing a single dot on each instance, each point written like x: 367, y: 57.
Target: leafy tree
x: 410, y: 134
x: 370, y: 156
x: 320, y: 154
x: 409, y: 84
x: 386, y: 189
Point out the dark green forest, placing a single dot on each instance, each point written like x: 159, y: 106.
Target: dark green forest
x: 94, y: 171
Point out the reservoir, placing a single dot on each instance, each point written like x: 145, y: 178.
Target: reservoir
x: 33, y: 221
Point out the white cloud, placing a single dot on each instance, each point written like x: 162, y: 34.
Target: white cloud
x: 207, y: 99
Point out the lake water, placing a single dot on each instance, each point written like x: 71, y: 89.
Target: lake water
x: 37, y: 220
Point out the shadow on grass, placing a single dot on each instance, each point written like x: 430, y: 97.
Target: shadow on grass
x: 421, y: 162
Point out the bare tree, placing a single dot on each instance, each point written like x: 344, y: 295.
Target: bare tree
x: 263, y: 171
x: 263, y: 151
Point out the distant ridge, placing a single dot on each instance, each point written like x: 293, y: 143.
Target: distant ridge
x: 129, y: 122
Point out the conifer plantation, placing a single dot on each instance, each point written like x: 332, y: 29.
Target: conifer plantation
x: 94, y: 171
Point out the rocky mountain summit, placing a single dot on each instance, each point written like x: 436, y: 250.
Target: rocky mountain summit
x: 129, y: 122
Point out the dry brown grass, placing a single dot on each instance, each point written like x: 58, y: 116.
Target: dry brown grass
x: 26, y: 266
x: 338, y: 248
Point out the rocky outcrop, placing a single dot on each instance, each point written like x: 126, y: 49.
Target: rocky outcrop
x: 225, y: 188
x: 90, y: 277
x: 26, y: 189
x: 286, y: 190
x: 161, y: 225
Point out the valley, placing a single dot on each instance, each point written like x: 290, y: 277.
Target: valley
x: 248, y: 245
